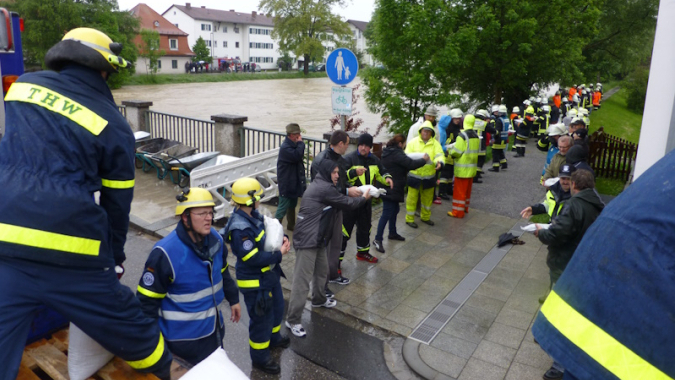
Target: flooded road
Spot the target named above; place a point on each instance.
(269, 104)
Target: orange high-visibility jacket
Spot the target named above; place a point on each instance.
(556, 100)
(596, 98)
(573, 92)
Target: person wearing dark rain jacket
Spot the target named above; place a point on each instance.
(398, 165)
(500, 124)
(258, 274)
(523, 131)
(556, 196)
(186, 278)
(566, 232)
(318, 215)
(290, 174)
(363, 168)
(65, 142)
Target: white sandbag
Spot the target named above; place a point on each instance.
(216, 367)
(414, 130)
(85, 355)
(417, 156)
(274, 234)
(374, 191)
(551, 181)
(533, 227)
(450, 146)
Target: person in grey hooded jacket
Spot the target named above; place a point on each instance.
(316, 218)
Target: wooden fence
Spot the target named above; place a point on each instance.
(611, 156)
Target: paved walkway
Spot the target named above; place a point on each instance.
(489, 336)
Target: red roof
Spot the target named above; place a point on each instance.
(154, 21)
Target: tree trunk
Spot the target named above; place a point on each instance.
(306, 69)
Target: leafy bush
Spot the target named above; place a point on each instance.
(636, 84)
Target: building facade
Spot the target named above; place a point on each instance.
(172, 40)
(358, 29)
(228, 34)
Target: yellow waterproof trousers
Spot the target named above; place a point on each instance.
(411, 203)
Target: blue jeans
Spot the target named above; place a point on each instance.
(390, 210)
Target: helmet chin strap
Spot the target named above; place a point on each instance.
(197, 237)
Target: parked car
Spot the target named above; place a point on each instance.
(320, 67)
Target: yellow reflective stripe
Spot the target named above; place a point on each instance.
(114, 184)
(248, 283)
(152, 359)
(57, 103)
(596, 343)
(276, 329)
(259, 346)
(224, 268)
(265, 269)
(344, 231)
(150, 293)
(250, 254)
(48, 240)
(262, 233)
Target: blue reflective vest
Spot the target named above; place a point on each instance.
(189, 310)
(65, 140)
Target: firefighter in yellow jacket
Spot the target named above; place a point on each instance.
(421, 181)
(465, 153)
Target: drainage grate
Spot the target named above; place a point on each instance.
(426, 331)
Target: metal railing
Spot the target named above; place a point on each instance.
(192, 132)
(255, 140)
(123, 110)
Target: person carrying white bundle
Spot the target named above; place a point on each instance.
(374, 191)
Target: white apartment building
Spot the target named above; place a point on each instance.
(228, 34)
(358, 29)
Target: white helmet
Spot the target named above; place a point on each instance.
(495, 108)
(599, 84)
(546, 108)
(455, 113)
(538, 100)
(483, 113)
(527, 102)
(503, 109)
(573, 113)
(583, 111)
(584, 92)
(516, 110)
(565, 99)
(557, 130)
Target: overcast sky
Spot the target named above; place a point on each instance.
(360, 10)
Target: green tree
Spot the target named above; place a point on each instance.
(636, 84)
(46, 21)
(490, 51)
(405, 37)
(150, 50)
(285, 62)
(624, 40)
(300, 26)
(202, 52)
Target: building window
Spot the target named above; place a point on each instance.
(159, 63)
(208, 43)
(173, 44)
(224, 43)
(224, 29)
(215, 43)
(236, 44)
(174, 63)
(206, 27)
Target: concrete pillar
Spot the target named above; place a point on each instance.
(657, 135)
(227, 135)
(136, 114)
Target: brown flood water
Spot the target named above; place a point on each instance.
(269, 104)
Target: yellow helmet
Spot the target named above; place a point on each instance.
(87, 47)
(193, 197)
(246, 191)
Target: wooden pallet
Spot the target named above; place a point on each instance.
(49, 357)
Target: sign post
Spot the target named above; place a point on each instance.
(341, 68)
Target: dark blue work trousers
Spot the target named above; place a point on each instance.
(93, 299)
(390, 211)
(265, 323)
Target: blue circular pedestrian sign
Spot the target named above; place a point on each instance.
(342, 66)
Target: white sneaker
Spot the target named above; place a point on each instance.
(297, 330)
(329, 303)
